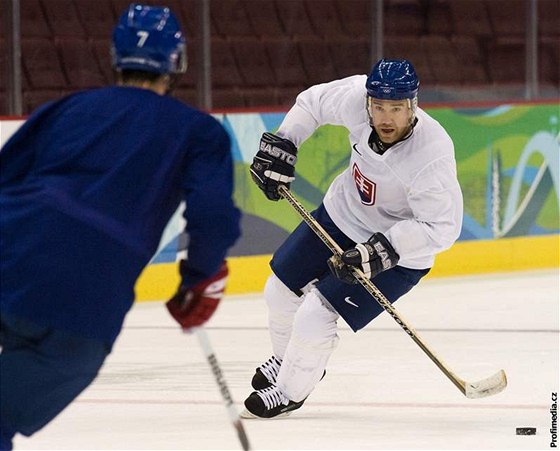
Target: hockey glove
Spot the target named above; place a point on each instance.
(274, 164)
(194, 306)
(372, 257)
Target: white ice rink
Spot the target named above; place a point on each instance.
(381, 392)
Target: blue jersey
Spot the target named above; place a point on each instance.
(87, 186)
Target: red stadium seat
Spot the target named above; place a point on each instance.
(231, 19)
(253, 62)
(287, 96)
(350, 56)
(294, 18)
(265, 51)
(227, 98)
(438, 18)
(355, 16)
(63, 19)
(263, 18)
(80, 64)
(286, 62)
(98, 20)
(3, 61)
(508, 17)
(260, 97)
(403, 17)
(506, 61)
(325, 18)
(33, 21)
(443, 60)
(471, 60)
(409, 48)
(3, 104)
(548, 13)
(34, 99)
(224, 66)
(41, 62)
(189, 96)
(317, 61)
(101, 49)
(549, 62)
(470, 17)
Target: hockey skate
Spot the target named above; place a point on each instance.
(269, 402)
(266, 374)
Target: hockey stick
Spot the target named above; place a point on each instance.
(224, 390)
(480, 389)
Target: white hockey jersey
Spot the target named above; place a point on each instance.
(410, 193)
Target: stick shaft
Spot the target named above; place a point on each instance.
(222, 385)
(370, 287)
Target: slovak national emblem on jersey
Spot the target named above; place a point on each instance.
(366, 188)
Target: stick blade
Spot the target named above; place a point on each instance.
(486, 387)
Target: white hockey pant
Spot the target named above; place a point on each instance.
(282, 306)
(306, 343)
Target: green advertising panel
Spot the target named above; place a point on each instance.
(507, 160)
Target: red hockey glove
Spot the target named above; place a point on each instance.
(193, 307)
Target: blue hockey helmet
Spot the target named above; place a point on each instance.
(149, 38)
(392, 80)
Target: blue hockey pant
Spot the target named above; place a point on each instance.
(303, 257)
(42, 370)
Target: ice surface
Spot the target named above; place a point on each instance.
(381, 392)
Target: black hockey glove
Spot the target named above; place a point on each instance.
(274, 164)
(372, 257)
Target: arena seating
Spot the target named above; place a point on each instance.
(317, 62)
(354, 16)
(33, 20)
(470, 18)
(99, 21)
(325, 20)
(259, 14)
(80, 63)
(41, 64)
(63, 18)
(265, 51)
(438, 18)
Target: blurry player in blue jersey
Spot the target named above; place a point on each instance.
(87, 186)
(396, 205)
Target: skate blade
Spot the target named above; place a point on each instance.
(246, 415)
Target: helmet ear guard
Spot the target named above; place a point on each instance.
(413, 104)
(149, 39)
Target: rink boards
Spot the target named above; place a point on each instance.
(248, 274)
(507, 160)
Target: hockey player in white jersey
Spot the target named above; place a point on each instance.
(396, 205)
